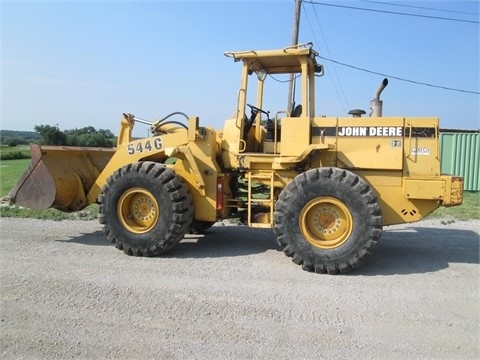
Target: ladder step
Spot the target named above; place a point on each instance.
(250, 200)
(260, 200)
(261, 177)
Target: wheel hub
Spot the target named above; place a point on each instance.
(326, 222)
(143, 208)
(138, 210)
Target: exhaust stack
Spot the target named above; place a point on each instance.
(376, 105)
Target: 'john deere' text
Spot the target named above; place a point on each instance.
(371, 131)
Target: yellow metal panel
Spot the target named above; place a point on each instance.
(424, 189)
(454, 193)
(295, 136)
(448, 190)
(370, 143)
(196, 165)
(276, 61)
(422, 147)
(385, 178)
(229, 141)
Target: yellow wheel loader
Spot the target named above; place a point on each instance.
(326, 185)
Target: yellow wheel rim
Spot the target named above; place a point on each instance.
(326, 222)
(138, 210)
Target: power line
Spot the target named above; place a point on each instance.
(419, 7)
(399, 78)
(391, 12)
(330, 55)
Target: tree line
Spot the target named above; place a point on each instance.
(87, 136)
(52, 135)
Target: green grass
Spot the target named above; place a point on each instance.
(12, 170)
(469, 210)
(89, 213)
(18, 152)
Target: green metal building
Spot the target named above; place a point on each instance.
(460, 155)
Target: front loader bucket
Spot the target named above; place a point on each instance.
(60, 177)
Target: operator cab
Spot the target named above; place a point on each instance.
(253, 128)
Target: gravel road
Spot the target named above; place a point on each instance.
(67, 293)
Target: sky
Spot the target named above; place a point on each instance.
(74, 64)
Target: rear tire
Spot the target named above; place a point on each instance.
(145, 208)
(328, 220)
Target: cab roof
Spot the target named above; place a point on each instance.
(287, 60)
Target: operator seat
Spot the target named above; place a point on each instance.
(297, 111)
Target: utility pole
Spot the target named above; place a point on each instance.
(296, 24)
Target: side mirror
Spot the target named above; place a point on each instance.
(319, 71)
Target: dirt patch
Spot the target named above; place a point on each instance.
(67, 293)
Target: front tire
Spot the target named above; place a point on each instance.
(328, 220)
(145, 209)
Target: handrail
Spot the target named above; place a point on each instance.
(409, 140)
(308, 45)
(233, 55)
(244, 143)
(296, 46)
(238, 108)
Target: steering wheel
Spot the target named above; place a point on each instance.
(249, 122)
(257, 110)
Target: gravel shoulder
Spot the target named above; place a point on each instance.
(231, 294)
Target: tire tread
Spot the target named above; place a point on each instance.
(289, 241)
